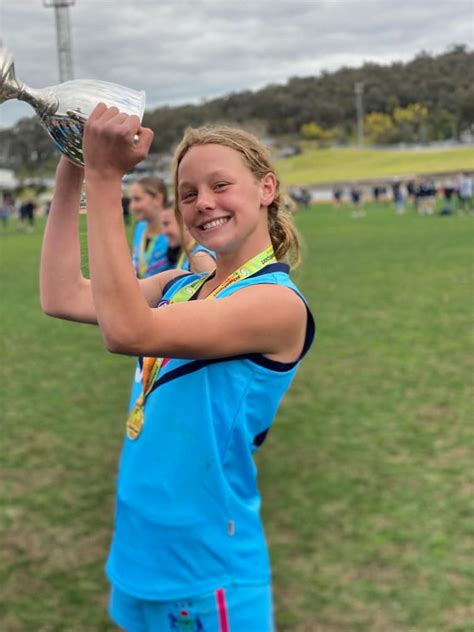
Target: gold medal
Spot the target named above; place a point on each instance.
(135, 421)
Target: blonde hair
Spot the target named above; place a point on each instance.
(283, 234)
(154, 187)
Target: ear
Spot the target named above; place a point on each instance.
(268, 186)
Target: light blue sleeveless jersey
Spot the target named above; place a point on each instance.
(158, 261)
(188, 507)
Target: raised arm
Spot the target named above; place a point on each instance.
(64, 292)
(268, 320)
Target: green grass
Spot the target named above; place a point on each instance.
(366, 475)
(329, 165)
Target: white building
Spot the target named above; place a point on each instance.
(7, 180)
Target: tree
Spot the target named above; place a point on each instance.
(379, 128)
(312, 131)
(410, 121)
(441, 125)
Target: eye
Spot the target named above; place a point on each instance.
(220, 185)
(187, 195)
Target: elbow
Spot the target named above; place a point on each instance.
(50, 309)
(52, 304)
(115, 346)
(55, 308)
(121, 343)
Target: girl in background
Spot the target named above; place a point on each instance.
(149, 245)
(215, 360)
(188, 255)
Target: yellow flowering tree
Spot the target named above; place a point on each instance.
(379, 127)
(410, 121)
(313, 131)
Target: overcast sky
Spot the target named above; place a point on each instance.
(182, 51)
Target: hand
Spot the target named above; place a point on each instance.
(109, 143)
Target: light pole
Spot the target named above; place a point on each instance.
(359, 91)
(63, 36)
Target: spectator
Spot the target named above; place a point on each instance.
(411, 193)
(7, 209)
(465, 192)
(448, 199)
(356, 199)
(302, 197)
(398, 198)
(27, 215)
(425, 197)
(337, 194)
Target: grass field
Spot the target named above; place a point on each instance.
(330, 165)
(366, 475)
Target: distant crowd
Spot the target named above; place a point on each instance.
(24, 211)
(421, 194)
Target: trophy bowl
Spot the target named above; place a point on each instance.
(63, 109)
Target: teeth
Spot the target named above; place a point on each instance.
(215, 222)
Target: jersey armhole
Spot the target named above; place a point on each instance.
(275, 365)
(173, 281)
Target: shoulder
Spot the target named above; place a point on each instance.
(201, 259)
(277, 305)
(200, 250)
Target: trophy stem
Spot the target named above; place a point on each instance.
(43, 101)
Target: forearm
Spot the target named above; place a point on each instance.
(121, 308)
(61, 280)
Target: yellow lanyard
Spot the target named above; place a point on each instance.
(144, 253)
(151, 366)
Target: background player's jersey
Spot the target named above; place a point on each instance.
(150, 260)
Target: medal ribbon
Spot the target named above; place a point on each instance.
(151, 366)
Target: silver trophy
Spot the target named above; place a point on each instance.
(63, 109)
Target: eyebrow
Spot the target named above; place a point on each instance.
(213, 174)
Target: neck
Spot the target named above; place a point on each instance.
(228, 262)
(154, 225)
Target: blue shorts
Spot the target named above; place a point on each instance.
(229, 609)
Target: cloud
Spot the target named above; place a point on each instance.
(183, 51)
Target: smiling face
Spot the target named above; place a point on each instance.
(222, 203)
(143, 204)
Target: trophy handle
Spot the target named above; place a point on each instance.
(10, 88)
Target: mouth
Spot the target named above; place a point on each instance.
(213, 223)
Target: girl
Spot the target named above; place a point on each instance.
(190, 255)
(149, 245)
(215, 359)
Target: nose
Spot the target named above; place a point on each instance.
(204, 200)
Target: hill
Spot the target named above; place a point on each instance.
(443, 84)
(316, 166)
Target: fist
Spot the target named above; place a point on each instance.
(114, 142)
